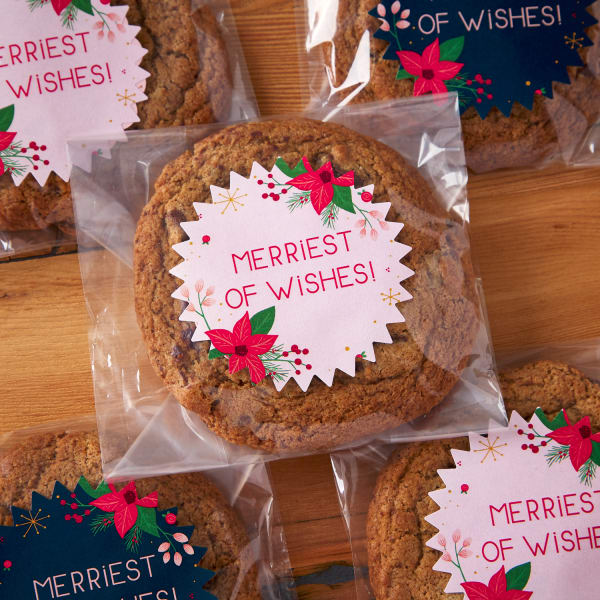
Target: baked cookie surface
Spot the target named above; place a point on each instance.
(36, 463)
(400, 564)
(409, 377)
(189, 83)
(524, 138)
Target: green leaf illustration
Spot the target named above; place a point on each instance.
(558, 422)
(517, 577)
(299, 169)
(146, 520)
(7, 114)
(262, 321)
(84, 5)
(404, 74)
(342, 197)
(452, 49)
(214, 353)
(101, 490)
(595, 453)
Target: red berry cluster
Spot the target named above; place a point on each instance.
(74, 506)
(480, 82)
(36, 157)
(295, 349)
(271, 185)
(535, 448)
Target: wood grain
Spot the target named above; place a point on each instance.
(536, 238)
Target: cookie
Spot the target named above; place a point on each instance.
(410, 376)
(400, 565)
(36, 463)
(189, 83)
(524, 138)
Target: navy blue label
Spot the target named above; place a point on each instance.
(491, 52)
(99, 544)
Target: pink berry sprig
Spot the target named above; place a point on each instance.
(478, 83)
(75, 505)
(531, 435)
(271, 184)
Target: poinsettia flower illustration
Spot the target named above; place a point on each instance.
(60, 5)
(320, 184)
(243, 347)
(6, 139)
(125, 506)
(495, 590)
(431, 72)
(579, 438)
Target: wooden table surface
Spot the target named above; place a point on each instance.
(536, 239)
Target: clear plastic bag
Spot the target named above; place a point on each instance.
(155, 430)
(357, 470)
(348, 63)
(239, 523)
(34, 218)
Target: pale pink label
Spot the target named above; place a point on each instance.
(67, 69)
(520, 514)
(292, 273)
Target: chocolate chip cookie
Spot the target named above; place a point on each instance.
(189, 83)
(410, 376)
(524, 138)
(35, 463)
(400, 564)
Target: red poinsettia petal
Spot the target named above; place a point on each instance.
(321, 198)
(306, 164)
(242, 330)
(60, 5)
(431, 55)
(259, 344)
(109, 502)
(222, 340)
(257, 369)
(422, 86)
(580, 452)
(1, 167)
(497, 583)
(515, 595)
(237, 363)
(437, 86)
(411, 62)
(565, 435)
(307, 182)
(125, 519)
(596, 437)
(447, 70)
(149, 501)
(6, 139)
(476, 591)
(346, 180)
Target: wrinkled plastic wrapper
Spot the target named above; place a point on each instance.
(346, 65)
(39, 220)
(262, 564)
(154, 430)
(356, 470)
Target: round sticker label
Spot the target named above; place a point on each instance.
(292, 273)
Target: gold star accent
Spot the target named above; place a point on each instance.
(390, 298)
(231, 200)
(574, 41)
(33, 522)
(126, 97)
(490, 449)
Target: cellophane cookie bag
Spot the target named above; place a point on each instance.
(283, 287)
(528, 76)
(514, 512)
(92, 66)
(65, 530)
